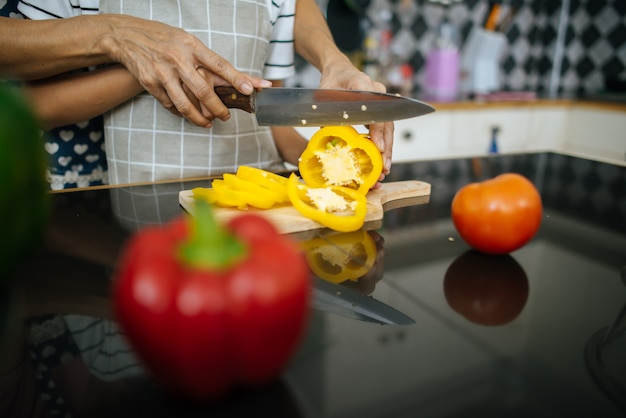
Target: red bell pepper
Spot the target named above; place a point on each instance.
(210, 306)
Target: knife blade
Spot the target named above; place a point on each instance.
(284, 106)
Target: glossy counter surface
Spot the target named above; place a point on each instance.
(553, 347)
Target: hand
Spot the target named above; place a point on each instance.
(177, 69)
(342, 74)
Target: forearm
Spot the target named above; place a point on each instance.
(43, 48)
(313, 39)
(78, 97)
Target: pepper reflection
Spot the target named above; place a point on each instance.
(486, 289)
(353, 259)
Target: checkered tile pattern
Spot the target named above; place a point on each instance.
(595, 40)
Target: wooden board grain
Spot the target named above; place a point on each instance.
(288, 220)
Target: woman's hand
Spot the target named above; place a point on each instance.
(162, 58)
(176, 68)
(342, 74)
(315, 43)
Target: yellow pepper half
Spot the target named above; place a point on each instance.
(336, 207)
(340, 156)
(341, 257)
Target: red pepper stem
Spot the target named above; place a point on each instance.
(210, 246)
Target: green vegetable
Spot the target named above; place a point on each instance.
(23, 186)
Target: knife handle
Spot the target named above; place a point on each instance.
(233, 99)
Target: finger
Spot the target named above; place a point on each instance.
(381, 135)
(244, 83)
(205, 112)
(193, 99)
(377, 135)
(218, 71)
(201, 86)
(257, 83)
(161, 95)
(184, 106)
(388, 133)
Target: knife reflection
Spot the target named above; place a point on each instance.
(343, 301)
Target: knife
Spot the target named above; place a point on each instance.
(283, 106)
(343, 301)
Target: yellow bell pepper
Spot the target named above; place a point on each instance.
(340, 156)
(221, 195)
(266, 179)
(224, 194)
(341, 257)
(336, 207)
(249, 187)
(269, 197)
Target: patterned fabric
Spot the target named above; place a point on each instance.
(50, 346)
(76, 152)
(77, 155)
(147, 143)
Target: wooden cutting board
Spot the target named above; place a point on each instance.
(288, 220)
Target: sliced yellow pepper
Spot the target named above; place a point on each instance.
(246, 186)
(241, 199)
(341, 257)
(224, 198)
(336, 207)
(340, 156)
(266, 179)
(249, 187)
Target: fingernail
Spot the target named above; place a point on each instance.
(388, 165)
(247, 88)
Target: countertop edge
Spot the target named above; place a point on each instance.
(542, 103)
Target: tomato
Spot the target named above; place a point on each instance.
(498, 215)
(209, 306)
(486, 289)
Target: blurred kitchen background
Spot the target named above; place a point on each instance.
(550, 48)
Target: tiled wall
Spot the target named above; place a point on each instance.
(594, 40)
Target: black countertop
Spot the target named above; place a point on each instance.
(555, 345)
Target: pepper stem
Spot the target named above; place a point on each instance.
(210, 246)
